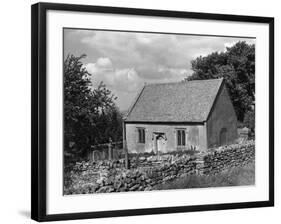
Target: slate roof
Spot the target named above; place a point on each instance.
(189, 101)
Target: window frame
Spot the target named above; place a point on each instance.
(181, 137)
(141, 135)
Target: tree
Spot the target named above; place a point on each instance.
(90, 115)
(237, 66)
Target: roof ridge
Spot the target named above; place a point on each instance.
(182, 82)
(206, 80)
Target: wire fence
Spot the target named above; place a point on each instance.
(107, 151)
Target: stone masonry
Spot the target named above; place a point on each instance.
(148, 171)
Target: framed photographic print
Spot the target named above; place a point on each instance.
(139, 111)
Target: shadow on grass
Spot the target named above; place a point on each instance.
(237, 176)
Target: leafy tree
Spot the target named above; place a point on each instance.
(237, 66)
(90, 115)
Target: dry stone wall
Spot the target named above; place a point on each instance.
(149, 171)
(231, 156)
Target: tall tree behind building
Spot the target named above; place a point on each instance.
(90, 115)
(237, 66)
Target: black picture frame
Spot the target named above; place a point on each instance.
(38, 108)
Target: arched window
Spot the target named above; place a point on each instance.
(223, 136)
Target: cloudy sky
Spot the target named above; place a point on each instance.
(124, 61)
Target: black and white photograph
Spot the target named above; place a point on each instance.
(139, 111)
(146, 111)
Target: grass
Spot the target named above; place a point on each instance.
(237, 176)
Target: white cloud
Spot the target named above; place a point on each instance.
(231, 43)
(125, 81)
(104, 63)
(125, 60)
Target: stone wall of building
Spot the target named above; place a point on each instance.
(149, 171)
(195, 137)
(223, 117)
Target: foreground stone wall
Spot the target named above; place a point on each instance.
(149, 171)
(223, 158)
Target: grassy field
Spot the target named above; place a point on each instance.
(237, 176)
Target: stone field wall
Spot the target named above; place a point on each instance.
(148, 171)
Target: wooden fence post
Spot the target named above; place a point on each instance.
(127, 162)
(93, 156)
(103, 155)
(110, 149)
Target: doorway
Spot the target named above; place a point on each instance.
(159, 141)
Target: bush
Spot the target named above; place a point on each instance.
(249, 121)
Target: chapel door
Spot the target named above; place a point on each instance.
(159, 142)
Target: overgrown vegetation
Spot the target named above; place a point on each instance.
(83, 180)
(90, 114)
(237, 176)
(232, 165)
(237, 66)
